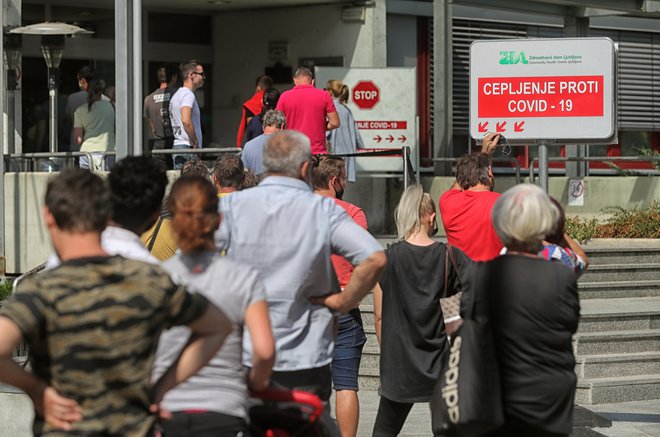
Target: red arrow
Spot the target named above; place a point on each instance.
(377, 138)
(483, 127)
(402, 138)
(499, 127)
(390, 138)
(518, 127)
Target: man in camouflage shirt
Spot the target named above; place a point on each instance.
(93, 324)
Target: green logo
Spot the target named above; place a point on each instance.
(510, 58)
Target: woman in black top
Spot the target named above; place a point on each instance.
(534, 310)
(409, 322)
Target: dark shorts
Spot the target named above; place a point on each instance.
(347, 354)
(204, 424)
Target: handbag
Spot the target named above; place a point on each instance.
(467, 399)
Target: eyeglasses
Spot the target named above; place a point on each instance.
(201, 74)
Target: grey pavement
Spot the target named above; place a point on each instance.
(629, 419)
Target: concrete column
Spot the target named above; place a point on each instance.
(128, 77)
(442, 85)
(576, 27)
(378, 15)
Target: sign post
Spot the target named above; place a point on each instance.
(544, 91)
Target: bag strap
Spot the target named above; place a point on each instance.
(444, 290)
(155, 234)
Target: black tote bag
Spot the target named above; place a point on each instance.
(467, 400)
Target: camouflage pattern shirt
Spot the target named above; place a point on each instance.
(93, 325)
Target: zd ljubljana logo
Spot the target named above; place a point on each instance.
(510, 58)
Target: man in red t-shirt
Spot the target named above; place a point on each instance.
(329, 179)
(466, 207)
(309, 110)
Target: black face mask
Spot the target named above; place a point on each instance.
(434, 231)
(339, 192)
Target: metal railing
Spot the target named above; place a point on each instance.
(22, 353)
(208, 151)
(46, 159)
(498, 159)
(533, 163)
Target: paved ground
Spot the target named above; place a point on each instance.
(629, 419)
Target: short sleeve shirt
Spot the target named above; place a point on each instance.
(92, 325)
(294, 232)
(185, 98)
(466, 216)
(157, 109)
(306, 109)
(343, 268)
(98, 125)
(221, 385)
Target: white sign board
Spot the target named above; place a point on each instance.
(544, 89)
(384, 105)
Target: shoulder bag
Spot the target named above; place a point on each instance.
(467, 400)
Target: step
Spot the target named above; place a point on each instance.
(605, 366)
(622, 272)
(650, 253)
(618, 314)
(370, 358)
(618, 289)
(616, 342)
(618, 389)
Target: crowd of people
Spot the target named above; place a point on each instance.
(164, 314)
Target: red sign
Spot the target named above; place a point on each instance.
(552, 96)
(366, 94)
(381, 124)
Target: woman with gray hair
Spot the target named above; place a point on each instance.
(409, 322)
(533, 308)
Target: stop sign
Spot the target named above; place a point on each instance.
(366, 94)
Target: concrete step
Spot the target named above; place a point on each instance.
(618, 389)
(602, 315)
(616, 342)
(607, 366)
(649, 253)
(370, 358)
(622, 272)
(618, 289)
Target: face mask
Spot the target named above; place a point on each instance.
(339, 192)
(434, 231)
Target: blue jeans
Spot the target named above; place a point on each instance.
(179, 160)
(347, 353)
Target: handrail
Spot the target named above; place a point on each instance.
(34, 156)
(579, 159)
(22, 352)
(498, 159)
(202, 151)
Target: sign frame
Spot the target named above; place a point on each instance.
(557, 129)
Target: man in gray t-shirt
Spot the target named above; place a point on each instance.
(157, 113)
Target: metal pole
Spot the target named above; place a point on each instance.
(543, 166)
(405, 155)
(122, 77)
(2, 156)
(136, 86)
(52, 100)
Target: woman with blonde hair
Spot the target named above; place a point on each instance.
(213, 402)
(409, 322)
(346, 138)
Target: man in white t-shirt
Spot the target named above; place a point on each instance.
(184, 111)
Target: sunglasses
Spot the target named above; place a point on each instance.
(201, 74)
